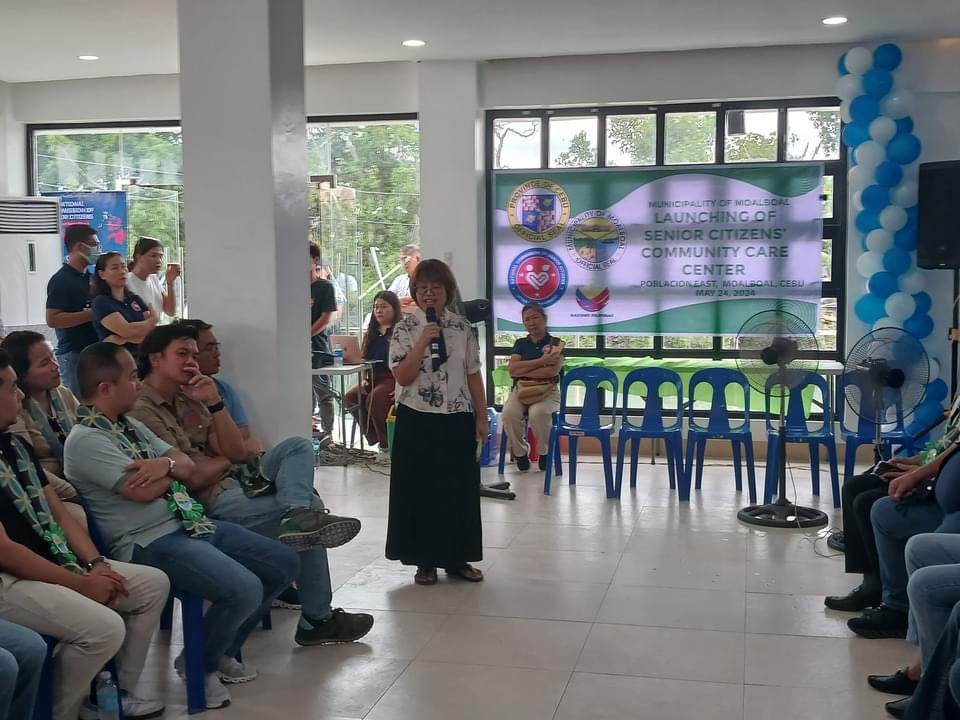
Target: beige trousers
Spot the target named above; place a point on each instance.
(540, 417)
(90, 634)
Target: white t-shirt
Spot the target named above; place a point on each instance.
(400, 285)
(150, 290)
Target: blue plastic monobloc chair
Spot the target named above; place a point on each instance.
(652, 425)
(797, 430)
(865, 432)
(718, 427)
(589, 424)
(503, 451)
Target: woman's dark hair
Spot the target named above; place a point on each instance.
(434, 271)
(99, 286)
(158, 340)
(374, 327)
(18, 345)
(75, 234)
(143, 246)
(537, 307)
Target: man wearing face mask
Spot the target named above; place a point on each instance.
(68, 300)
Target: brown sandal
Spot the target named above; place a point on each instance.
(425, 576)
(466, 572)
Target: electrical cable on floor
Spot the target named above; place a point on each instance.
(823, 533)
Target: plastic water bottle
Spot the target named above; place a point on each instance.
(338, 356)
(108, 697)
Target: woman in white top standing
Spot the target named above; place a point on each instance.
(434, 518)
(144, 281)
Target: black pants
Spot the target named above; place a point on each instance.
(858, 495)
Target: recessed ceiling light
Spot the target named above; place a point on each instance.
(413, 43)
(88, 58)
(835, 20)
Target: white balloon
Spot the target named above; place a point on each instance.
(858, 60)
(860, 176)
(934, 369)
(870, 154)
(898, 104)
(887, 322)
(849, 86)
(905, 194)
(882, 129)
(892, 218)
(857, 199)
(911, 172)
(900, 306)
(912, 281)
(879, 240)
(845, 115)
(869, 264)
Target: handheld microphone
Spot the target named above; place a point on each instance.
(435, 343)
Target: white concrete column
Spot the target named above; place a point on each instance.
(12, 169)
(245, 175)
(451, 170)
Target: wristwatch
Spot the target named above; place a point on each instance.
(216, 407)
(91, 564)
(173, 466)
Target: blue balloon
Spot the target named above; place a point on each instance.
(913, 213)
(904, 125)
(904, 149)
(869, 308)
(906, 238)
(864, 108)
(924, 301)
(927, 412)
(842, 65)
(896, 261)
(854, 134)
(877, 82)
(867, 220)
(883, 284)
(875, 197)
(937, 391)
(888, 174)
(887, 56)
(920, 325)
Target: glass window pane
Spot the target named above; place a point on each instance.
(583, 342)
(631, 140)
(573, 141)
(826, 259)
(500, 394)
(516, 143)
(827, 332)
(751, 136)
(688, 342)
(829, 196)
(629, 342)
(813, 134)
(690, 138)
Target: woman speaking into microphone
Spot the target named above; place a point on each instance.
(434, 519)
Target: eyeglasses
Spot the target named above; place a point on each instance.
(211, 347)
(431, 288)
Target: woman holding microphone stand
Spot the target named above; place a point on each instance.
(434, 518)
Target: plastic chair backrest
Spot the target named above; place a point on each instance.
(866, 426)
(796, 418)
(718, 379)
(93, 531)
(592, 378)
(653, 379)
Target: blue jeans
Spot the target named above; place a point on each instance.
(22, 654)
(936, 696)
(290, 464)
(893, 524)
(238, 571)
(934, 587)
(68, 370)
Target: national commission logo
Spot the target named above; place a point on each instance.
(538, 210)
(596, 239)
(537, 275)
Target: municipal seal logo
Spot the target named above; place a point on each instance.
(538, 210)
(593, 299)
(596, 239)
(537, 275)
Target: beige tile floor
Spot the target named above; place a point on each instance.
(591, 609)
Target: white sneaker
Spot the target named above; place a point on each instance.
(233, 671)
(383, 458)
(138, 708)
(217, 695)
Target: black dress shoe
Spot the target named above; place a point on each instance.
(542, 463)
(856, 600)
(523, 463)
(835, 541)
(897, 684)
(880, 622)
(898, 708)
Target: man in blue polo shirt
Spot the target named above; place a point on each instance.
(68, 300)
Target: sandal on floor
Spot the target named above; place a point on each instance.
(467, 572)
(425, 576)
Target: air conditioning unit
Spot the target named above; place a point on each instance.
(31, 251)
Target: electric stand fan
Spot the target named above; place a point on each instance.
(775, 350)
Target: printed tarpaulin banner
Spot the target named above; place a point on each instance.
(105, 212)
(684, 251)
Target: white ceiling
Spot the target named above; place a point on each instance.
(41, 39)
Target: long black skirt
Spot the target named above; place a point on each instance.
(434, 491)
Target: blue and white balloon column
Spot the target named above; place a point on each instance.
(882, 183)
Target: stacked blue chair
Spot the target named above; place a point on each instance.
(718, 427)
(797, 431)
(866, 431)
(652, 425)
(589, 424)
